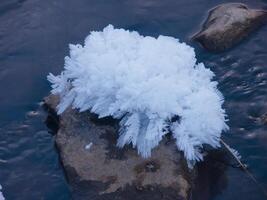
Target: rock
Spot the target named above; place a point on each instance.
(97, 169)
(227, 24)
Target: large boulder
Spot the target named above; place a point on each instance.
(97, 169)
(227, 24)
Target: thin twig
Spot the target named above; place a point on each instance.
(244, 167)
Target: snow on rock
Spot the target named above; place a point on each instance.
(152, 85)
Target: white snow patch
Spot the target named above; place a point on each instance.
(145, 82)
(88, 146)
(1, 194)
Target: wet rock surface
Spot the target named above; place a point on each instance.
(97, 169)
(228, 24)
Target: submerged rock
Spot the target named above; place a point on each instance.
(228, 24)
(97, 169)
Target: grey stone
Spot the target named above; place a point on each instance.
(228, 24)
(97, 169)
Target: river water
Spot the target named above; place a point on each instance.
(34, 38)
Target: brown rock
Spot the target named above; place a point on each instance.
(97, 169)
(227, 24)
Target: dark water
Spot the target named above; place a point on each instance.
(34, 38)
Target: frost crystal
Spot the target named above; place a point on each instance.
(152, 85)
(1, 194)
(235, 153)
(88, 146)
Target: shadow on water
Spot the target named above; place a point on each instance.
(34, 38)
(211, 179)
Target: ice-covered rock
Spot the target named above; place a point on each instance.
(152, 85)
(107, 172)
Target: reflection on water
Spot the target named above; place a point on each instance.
(34, 37)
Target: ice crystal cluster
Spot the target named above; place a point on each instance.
(152, 85)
